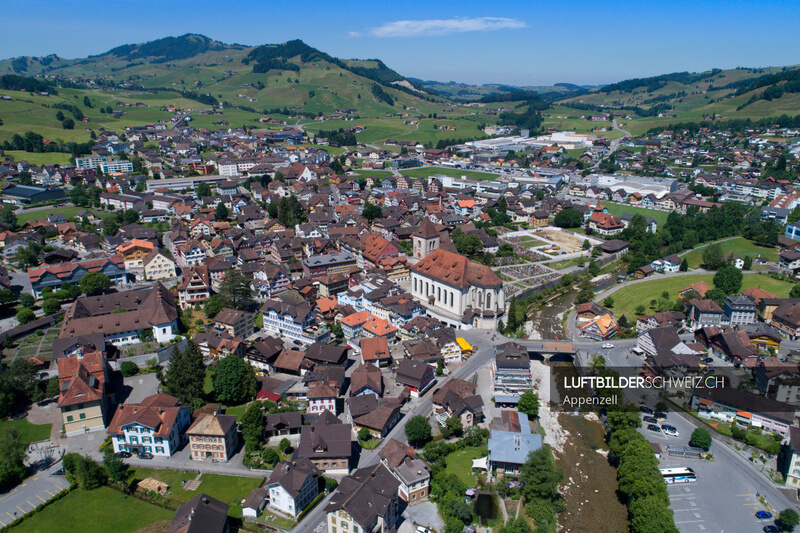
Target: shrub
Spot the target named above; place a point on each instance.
(128, 369)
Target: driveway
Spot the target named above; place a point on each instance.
(423, 514)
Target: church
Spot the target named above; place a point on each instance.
(458, 292)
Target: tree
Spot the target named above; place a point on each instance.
(337, 331)
(213, 306)
(68, 124)
(568, 218)
(701, 438)
(529, 404)
(608, 301)
(128, 368)
(371, 211)
(270, 456)
(84, 471)
(51, 305)
(795, 292)
(452, 427)
(186, 374)
(234, 381)
(684, 266)
(130, 216)
(439, 367)
(418, 431)
(221, 212)
(788, 519)
(470, 245)
(60, 116)
(364, 434)
(26, 300)
(540, 477)
(462, 511)
(115, 467)
(748, 263)
(235, 291)
(203, 190)
(728, 279)
(253, 424)
(586, 294)
(12, 459)
(7, 217)
(713, 258)
(285, 445)
(330, 484)
(586, 244)
(25, 315)
(94, 283)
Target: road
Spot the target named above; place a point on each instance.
(615, 143)
(33, 492)
(315, 521)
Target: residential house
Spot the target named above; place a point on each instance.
(83, 392)
(410, 470)
(195, 288)
(508, 450)
(201, 514)
(511, 369)
(293, 486)
(705, 313)
(327, 443)
(458, 398)
(213, 437)
(415, 375)
(154, 426)
(365, 502)
(236, 323)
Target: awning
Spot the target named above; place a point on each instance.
(482, 463)
(465, 346)
(706, 401)
(743, 414)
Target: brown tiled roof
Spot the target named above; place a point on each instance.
(212, 425)
(157, 412)
(64, 270)
(102, 314)
(394, 453)
(375, 349)
(81, 379)
(456, 270)
(289, 360)
(366, 375)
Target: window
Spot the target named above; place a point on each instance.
(69, 418)
(82, 416)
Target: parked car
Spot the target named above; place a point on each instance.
(772, 529)
(645, 409)
(660, 416)
(649, 420)
(672, 431)
(654, 428)
(145, 455)
(123, 454)
(763, 515)
(608, 345)
(708, 360)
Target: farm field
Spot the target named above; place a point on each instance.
(628, 298)
(46, 158)
(738, 246)
(69, 212)
(102, 510)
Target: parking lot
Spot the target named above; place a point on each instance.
(724, 497)
(27, 496)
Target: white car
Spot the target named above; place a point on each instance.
(608, 345)
(669, 430)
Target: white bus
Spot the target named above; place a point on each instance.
(678, 475)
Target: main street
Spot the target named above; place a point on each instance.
(481, 341)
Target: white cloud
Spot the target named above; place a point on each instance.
(417, 28)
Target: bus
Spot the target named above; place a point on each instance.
(678, 475)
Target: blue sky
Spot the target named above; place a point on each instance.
(516, 42)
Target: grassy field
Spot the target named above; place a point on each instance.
(102, 510)
(46, 158)
(27, 431)
(739, 246)
(628, 298)
(618, 210)
(532, 243)
(460, 463)
(424, 172)
(69, 212)
(566, 263)
(229, 489)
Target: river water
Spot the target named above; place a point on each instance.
(590, 482)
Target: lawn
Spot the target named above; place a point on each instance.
(69, 212)
(102, 510)
(738, 246)
(460, 463)
(238, 411)
(424, 172)
(229, 489)
(628, 298)
(44, 158)
(619, 210)
(566, 263)
(28, 432)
